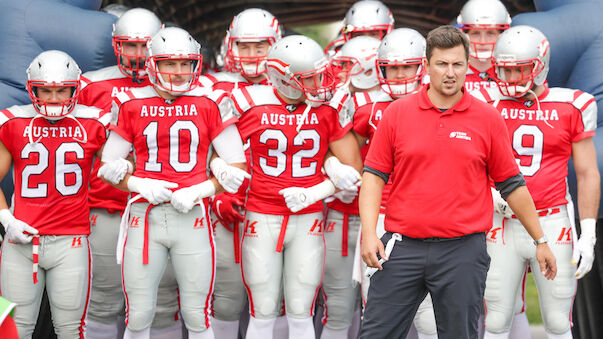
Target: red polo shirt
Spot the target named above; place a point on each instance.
(442, 161)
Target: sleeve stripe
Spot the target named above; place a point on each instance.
(7, 113)
(247, 96)
(582, 99)
(360, 100)
(588, 103)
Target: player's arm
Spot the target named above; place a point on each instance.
(114, 152)
(5, 162)
(228, 165)
(360, 139)
(589, 193)
(347, 151)
(343, 162)
(14, 227)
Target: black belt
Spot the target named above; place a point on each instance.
(438, 239)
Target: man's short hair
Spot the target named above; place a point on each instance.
(445, 37)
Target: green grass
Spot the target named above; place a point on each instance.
(533, 311)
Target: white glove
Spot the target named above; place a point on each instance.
(155, 191)
(115, 171)
(185, 198)
(343, 176)
(584, 249)
(229, 177)
(15, 228)
(298, 198)
(347, 195)
(500, 205)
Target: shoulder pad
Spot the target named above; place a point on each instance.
(488, 95)
(339, 99)
(229, 77)
(89, 112)
(584, 102)
(246, 97)
(199, 91)
(135, 93)
(17, 111)
(107, 73)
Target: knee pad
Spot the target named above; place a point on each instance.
(140, 316)
(425, 322)
(195, 320)
(556, 322)
(227, 308)
(497, 322)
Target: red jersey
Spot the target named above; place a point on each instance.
(171, 138)
(443, 162)
(280, 156)
(227, 81)
(369, 111)
(98, 89)
(476, 80)
(52, 174)
(542, 138)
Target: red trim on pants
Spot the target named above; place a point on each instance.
(281, 235)
(249, 295)
(83, 320)
(210, 293)
(344, 235)
(237, 242)
(145, 244)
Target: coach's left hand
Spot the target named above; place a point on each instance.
(371, 245)
(547, 261)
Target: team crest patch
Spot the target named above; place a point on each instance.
(484, 75)
(169, 101)
(291, 108)
(528, 103)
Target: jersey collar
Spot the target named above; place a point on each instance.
(462, 105)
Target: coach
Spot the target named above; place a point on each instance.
(443, 146)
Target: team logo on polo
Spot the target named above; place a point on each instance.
(459, 135)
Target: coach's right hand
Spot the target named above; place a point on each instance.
(371, 245)
(546, 260)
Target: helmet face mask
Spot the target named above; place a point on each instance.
(169, 54)
(250, 30)
(355, 63)
(404, 76)
(479, 16)
(482, 41)
(53, 84)
(400, 62)
(317, 85)
(343, 67)
(249, 57)
(131, 56)
(521, 60)
(131, 32)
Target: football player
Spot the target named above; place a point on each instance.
(290, 129)
(53, 143)
(483, 21)
(367, 17)
(171, 126)
(130, 34)
(546, 127)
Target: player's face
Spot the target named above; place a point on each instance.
(447, 69)
(514, 74)
(253, 49)
(377, 34)
(135, 50)
(342, 69)
(53, 95)
(401, 72)
(312, 82)
(175, 71)
(483, 38)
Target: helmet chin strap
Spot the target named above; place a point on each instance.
(538, 108)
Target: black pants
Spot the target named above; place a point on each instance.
(453, 271)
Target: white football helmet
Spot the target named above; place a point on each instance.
(135, 25)
(296, 66)
(334, 46)
(401, 47)
(53, 69)
(251, 25)
(517, 47)
(367, 15)
(173, 43)
(483, 14)
(356, 62)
